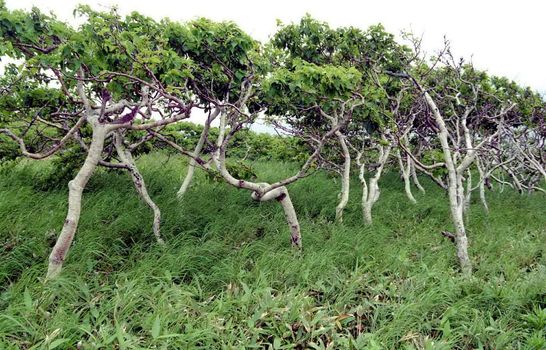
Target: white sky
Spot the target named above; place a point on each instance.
(503, 37)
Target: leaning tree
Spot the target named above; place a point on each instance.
(98, 93)
(317, 46)
(89, 88)
(454, 125)
(517, 157)
(233, 81)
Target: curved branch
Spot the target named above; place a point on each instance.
(49, 152)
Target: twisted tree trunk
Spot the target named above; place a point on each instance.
(260, 191)
(127, 158)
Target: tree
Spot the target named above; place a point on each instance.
(232, 80)
(316, 103)
(314, 44)
(456, 123)
(108, 78)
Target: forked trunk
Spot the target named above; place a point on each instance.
(371, 198)
(367, 212)
(258, 189)
(407, 188)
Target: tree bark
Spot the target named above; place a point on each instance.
(140, 186)
(468, 193)
(461, 239)
(455, 189)
(372, 188)
(482, 187)
(406, 172)
(345, 178)
(260, 191)
(415, 178)
(196, 153)
(282, 196)
(368, 202)
(291, 217)
(75, 188)
(363, 183)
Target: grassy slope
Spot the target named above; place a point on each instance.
(229, 279)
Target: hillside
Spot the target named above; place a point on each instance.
(228, 278)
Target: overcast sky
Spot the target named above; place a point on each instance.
(503, 37)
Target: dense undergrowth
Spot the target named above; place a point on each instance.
(228, 278)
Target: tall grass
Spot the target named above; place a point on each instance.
(228, 278)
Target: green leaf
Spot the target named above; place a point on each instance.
(156, 328)
(166, 336)
(28, 299)
(56, 343)
(277, 343)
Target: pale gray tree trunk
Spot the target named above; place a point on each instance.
(369, 200)
(362, 178)
(406, 173)
(198, 148)
(415, 178)
(482, 186)
(455, 189)
(461, 240)
(282, 196)
(126, 157)
(75, 190)
(260, 191)
(468, 193)
(517, 183)
(370, 192)
(291, 217)
(345, 178)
